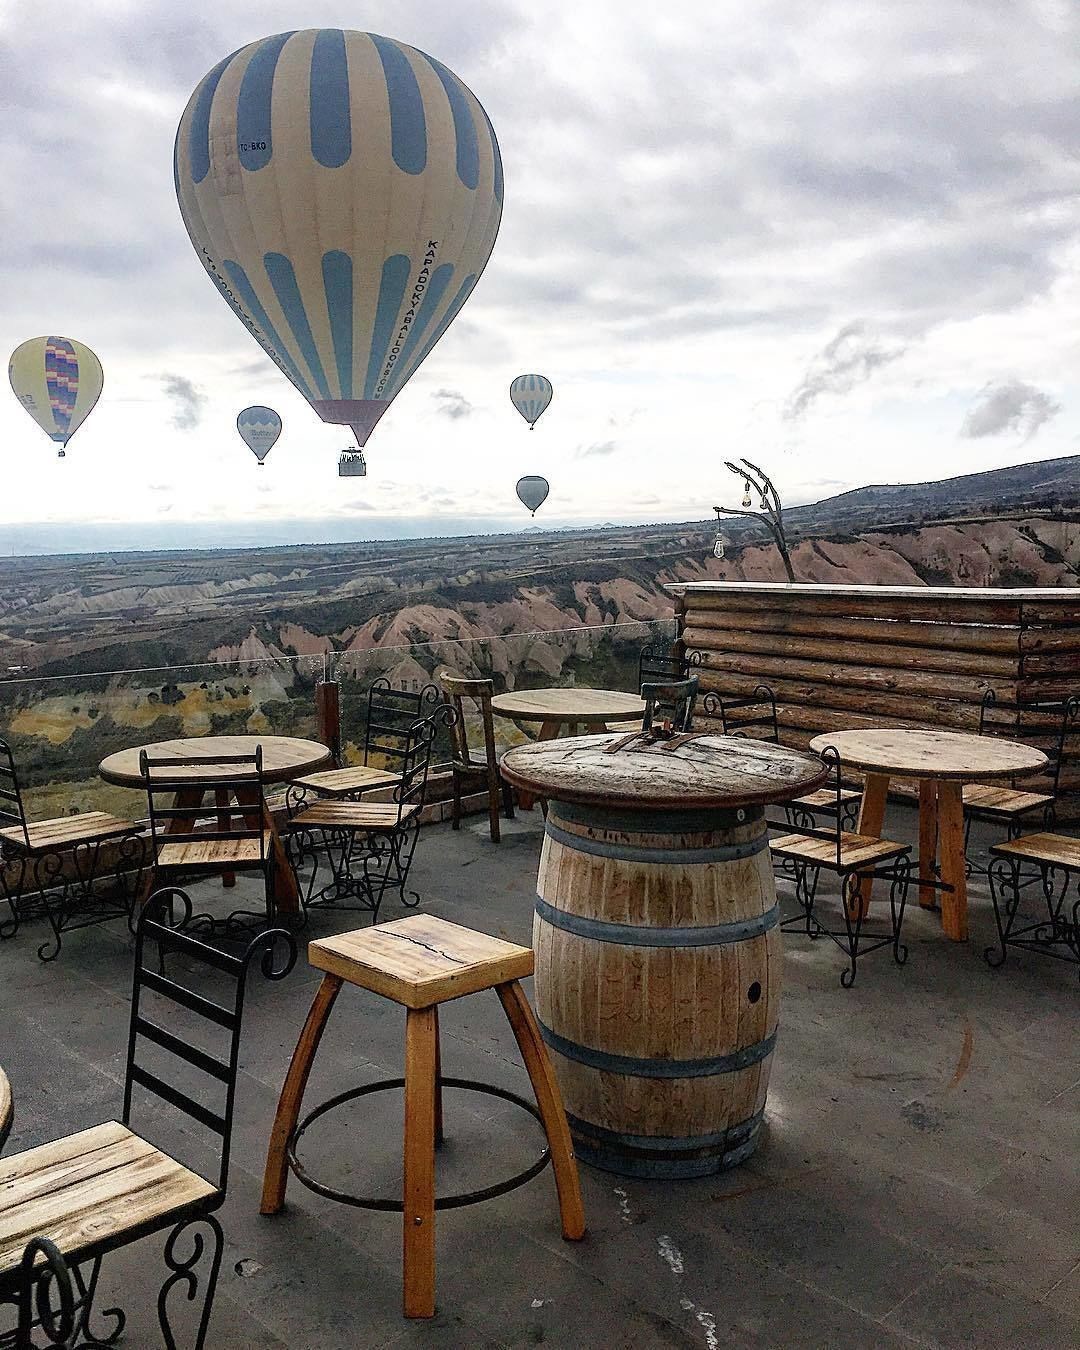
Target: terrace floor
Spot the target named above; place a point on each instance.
(917, 1183)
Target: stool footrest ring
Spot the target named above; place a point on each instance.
(396, 1206)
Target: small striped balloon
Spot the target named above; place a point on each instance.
(259, 429)
(343, 191)
(530, 395)
(58, 381)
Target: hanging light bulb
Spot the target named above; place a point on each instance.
(746, 494)
(719, 545)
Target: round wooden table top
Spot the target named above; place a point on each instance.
(6, 1108)
(694, 771)
(568, 705)
(284, 757)
(933, 754)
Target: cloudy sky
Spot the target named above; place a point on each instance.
(841, 238)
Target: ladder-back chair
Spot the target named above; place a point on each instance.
(59, 860)
(670, 702)
(106, 1187)
(470, 768)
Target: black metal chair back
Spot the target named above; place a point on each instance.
(166, 776)
(662, 661)
(753, 716)
(673, 702)
(391, 715)
(12, 811)
(168, 937)
(1054, 723)
(416, 759)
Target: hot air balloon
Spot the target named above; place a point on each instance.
(344, 192)
(530, 395)
(58, 381)
(532, 491)
(259, 428)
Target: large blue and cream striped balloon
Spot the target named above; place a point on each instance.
(344, 192)
(530, 395)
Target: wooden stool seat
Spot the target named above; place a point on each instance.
(420, 962)
(344, 782)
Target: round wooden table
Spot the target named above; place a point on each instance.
(941, 762)
(283, 757)
(570, 708)
(657, 948)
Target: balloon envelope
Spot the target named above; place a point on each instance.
(259, 427)
(344, 192)
(530, 395)
(58, 381)
(532, 491)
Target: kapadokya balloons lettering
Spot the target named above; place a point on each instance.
(532, 491)
(530, 395)
(58, 381)
(259, 427)
(344, 192)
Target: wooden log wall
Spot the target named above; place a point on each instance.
(841, 657)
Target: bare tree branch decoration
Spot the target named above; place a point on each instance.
(769, 511)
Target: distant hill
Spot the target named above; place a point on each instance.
(1045, 484)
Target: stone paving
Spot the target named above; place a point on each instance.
(917, 1183)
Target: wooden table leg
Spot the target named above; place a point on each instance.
(953, 864)
(871, 821)
(188, 799)
(548, 1098)
(276, 1173)
(928, 840)
(418, 1219)
(438, 1081)
(286, 891)
(221, 801)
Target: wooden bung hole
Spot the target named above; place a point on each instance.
(754, 992)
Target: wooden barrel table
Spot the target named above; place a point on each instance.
(657, 948)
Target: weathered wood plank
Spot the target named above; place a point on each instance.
(881, 653)
(970, 637)
(875, 678)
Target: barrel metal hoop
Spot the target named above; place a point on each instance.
(665, 820)
(666, 1144)
(638, 935)
(634, 1067)
(624, 852)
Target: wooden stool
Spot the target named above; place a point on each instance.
(421, 962)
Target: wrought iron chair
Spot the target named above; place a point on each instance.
(670, 702)
(369, 845)
(662, 661)
(391, 714)
(60, 860)
(853, 858)
(240, 839)
(755, 716)
(1044, 863)
(466, 767)
(103, 1188)
(1017, 807)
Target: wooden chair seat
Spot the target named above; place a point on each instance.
(214, 852)
(1053, 850)
(88, 1188)
(344, 782)
(68, 831)
(421, 961)
(1004, 800)
(856, 850)
(335, 815)
(824, 799)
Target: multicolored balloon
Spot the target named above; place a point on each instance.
(532, 491)
(259, 428)
(58, 381)
(344, 192)
(530, 395)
